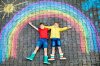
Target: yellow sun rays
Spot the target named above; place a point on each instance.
(9, 8)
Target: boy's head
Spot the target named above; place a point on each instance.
(41, 25)
(56, 24)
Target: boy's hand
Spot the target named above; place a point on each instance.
(69, 27)
(30, 23)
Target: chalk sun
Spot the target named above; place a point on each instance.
(9, 8)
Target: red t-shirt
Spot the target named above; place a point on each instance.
(43, 33)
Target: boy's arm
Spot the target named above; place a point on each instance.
(33, 26)
(49, 27)
(64, 28)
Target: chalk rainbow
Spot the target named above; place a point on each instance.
(89, 41)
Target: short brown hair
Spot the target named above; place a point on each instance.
(56, 22)
(41, 24)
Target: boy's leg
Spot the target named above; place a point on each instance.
(53, 44)
(31, 57)
(45, 51)
(45, 56)
(36, 49)
(45, 45)
(52, 57)
(53, 50)
(60, 50)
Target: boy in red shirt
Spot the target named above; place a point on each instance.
(42, 41)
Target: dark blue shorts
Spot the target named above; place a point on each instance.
(55, 42)
(42, 43)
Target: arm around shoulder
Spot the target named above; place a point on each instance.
(49, 27)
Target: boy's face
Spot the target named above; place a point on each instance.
(42, 26)
(56, 24)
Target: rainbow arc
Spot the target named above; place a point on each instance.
(89, 41)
